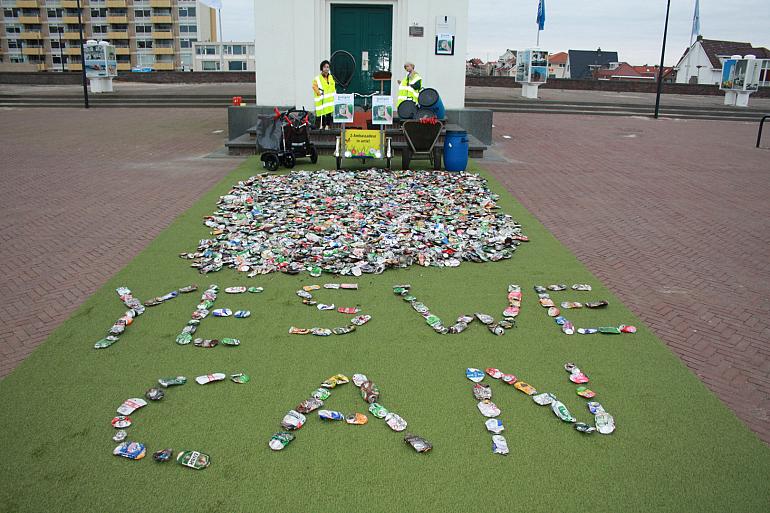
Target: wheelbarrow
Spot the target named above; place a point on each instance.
(421, 138)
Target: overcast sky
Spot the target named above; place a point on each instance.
(633, 28)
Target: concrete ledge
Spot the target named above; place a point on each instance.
(478, 122)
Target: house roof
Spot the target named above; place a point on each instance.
(715, 47)
(558, 58)
(647, 70)
(580, 61)
(624, 69)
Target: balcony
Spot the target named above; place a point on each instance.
(161, 50)
(124, 66)
(71, 35)
(74, 66)
(117, 19)
(163, 66)
(122, 51)
(72, 20)
(116, 3)
(70, 51)
(160, 3)
(29, 19)
(163, 35)
(161, 19)
(117, 35)
(70, 4)
(29, 50)
(27, 4)
(30, 35)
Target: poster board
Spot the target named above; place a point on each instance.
(382, 110)
(100, 60)
(363, 143)
(532, 66)
(343, 108)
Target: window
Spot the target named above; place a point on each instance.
(100, 29)
(206, 50)
(188, 28)
(10, 13)
(186, 43)
(54, 44)
(13, 29)
(235, 50)
(236, 65)
(56, 13)
(210, 65)
(98, 13)
(186, 11)
(56, 59)
(144, 44)
(15, 43)
(143, 29)
(18, 59)
(142, 13)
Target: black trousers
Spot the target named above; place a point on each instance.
(326, 119)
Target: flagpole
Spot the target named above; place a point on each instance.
(538, 38)
(219, 15)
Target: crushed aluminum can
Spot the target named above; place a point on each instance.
(557, 287)
(304, 294)
(581, 287)
(255, 290)
(242, 314)
(482, 391)
(343, 330)
(222, 312)
(584, 428)
(106, 342)
(293, 420)
(330, 415)
(568, 305)
(496, 329)
(370, 392)
(130, 450)
(193, 459)
(560, 320)
(596, 304)
(311, 288)
(229, 341)
(585, 392)
(509, 379)
(494, 373)
(188, 288)
(609, 330)
(309, 405)
(235, 290)
(458, 328)
(511, 311)
(540, 289)
(350, 310)
(605, 423)
(322, 306)
(239, 378)
(280, 440)
(466, 319)
(627, 329)
(321, 332)
(298, 331)
(506, 324)
(418, 443)
(484, 318)
(494, 426)
(358, 419)
(168, 382)
(578, 378)
(332, 286)
(359, 379)
(488, 408)
(163, 456)
(361, 320)
(129, 406)
(594, 407)
(121, 422)
(321, 394)
(433, 320)
(120, 436)
(543, 399)
(568, 328)
(154, 394)
(554, 312)
(309, 302)
(499, 445)
(395, 422)
(473, 374)
(206, 342)
(420, 307)
(525, 387)
(546, 302)
(210, 378)
(349, 286)
(378, 410)
(562, 412)
(409, 298)
(570, 367)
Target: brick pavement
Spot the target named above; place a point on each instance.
(68, 198)
(674, 217)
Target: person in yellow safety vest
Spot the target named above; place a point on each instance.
(324, 89)
(410, 87)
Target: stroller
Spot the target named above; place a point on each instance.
(285, 138)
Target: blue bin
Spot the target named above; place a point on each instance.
(456, 150)
(430, 99)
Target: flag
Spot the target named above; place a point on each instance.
(541, 15)
(695, 22)
(214, 4)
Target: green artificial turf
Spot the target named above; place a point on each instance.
(676, 447)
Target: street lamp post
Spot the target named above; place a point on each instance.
(83, 57)
(699, 66)
(662, 56)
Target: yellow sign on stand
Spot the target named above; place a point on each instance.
(363, 143)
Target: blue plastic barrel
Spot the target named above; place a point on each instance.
(430, 99)
(456, 150)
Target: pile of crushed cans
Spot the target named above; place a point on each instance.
(604, 423)
(566, 326)
(434, 321)
(305, 294)
(136, 450)
(354, 222)
(370, 393)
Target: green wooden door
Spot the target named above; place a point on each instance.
(364, 28)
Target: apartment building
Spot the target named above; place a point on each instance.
(230, 56)
(43, 35)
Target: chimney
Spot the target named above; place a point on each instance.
(699, 38)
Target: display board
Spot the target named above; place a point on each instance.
(100, 60)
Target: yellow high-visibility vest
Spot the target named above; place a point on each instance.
(324, 103)
(407, 90)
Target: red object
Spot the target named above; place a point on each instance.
(237, 101)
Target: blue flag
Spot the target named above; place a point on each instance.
(541, 15)
(696, 21)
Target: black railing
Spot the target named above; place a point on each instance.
(761, 124)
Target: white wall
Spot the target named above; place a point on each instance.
(688, 67)
(287, 60)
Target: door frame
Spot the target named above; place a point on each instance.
(324, 36)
